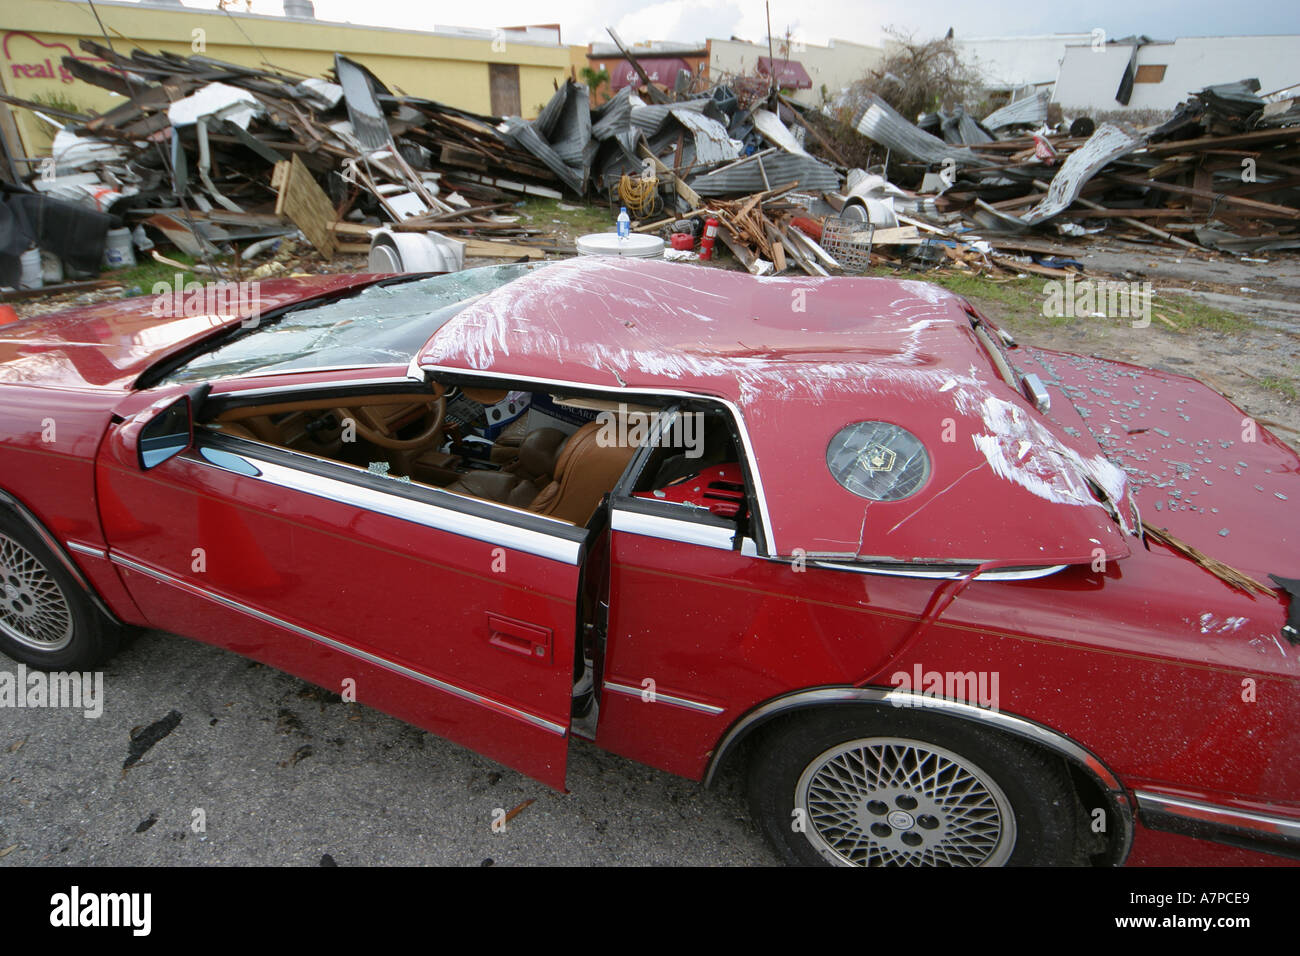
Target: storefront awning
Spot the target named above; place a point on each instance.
(789, 74)
(661, 70)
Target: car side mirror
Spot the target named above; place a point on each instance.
(167, 434)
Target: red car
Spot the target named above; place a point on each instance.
(843, 530)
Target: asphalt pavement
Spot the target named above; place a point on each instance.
(205, 758)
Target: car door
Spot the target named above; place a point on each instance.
(453, 614)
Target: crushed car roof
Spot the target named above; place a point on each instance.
(801, 359)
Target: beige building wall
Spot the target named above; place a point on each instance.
(451, 68)
(831, 67)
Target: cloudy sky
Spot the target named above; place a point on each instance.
(815, 21)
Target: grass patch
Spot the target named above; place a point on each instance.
(1276, 383)
(579, 219)
(1018, 303)
(148, 273)
(1022, 294)
(1191, 315)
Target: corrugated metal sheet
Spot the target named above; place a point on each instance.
(1108, 143)
(369, 123)
(613, 116)
(525, 136)
(960, 127)
(1029, 111)
(565, 123)
(771, 128)
(649, 119)
(712, 144)
(747, 176)
(883, 124)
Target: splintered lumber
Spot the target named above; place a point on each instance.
(896, 236)
(501, 250)
(305, 203)
(1267, 209)
(1224, 572)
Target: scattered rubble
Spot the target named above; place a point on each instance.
(221, 160)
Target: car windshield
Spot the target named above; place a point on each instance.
(381, 325)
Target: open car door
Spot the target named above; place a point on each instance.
(453, 614)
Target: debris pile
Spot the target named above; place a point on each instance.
(220, 159)
(210, 155)
(1220, 175)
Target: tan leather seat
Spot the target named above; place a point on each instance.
(585, 472)
(521, 482)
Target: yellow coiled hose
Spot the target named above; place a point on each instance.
(640, 194)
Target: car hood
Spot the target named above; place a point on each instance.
(1198, 466)
(108, 345)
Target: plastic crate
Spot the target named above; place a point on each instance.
(849, 242)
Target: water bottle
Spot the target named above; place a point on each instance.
(624, 223)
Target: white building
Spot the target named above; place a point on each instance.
(1168, 71)
(1018, 63)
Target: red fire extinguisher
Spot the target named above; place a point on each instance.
(710, 236)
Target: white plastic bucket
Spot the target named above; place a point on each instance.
(51, 268)
(118, 253)
(31, 270)
(636, 246)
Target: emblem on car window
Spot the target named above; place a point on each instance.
(877, 460)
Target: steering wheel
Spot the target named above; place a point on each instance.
(378, 423)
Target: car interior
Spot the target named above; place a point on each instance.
(543, 453)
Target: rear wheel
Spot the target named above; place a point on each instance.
(868, 787)
(46, 619)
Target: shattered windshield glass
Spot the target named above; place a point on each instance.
(382, 325)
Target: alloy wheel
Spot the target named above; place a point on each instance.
(33, 608)
(890, 801)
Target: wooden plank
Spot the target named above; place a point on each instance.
(1206, 142)
(305, 204)
(501, 250)
(900, 236)
(1265, 208)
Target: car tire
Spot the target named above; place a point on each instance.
(47, 620)
(884, 787)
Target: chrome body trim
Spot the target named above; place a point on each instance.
(737, 417)
(1008, 723)
(1022, 574)
(80, 548)
(659, 698)
(1216, 813)
(427, 679)
(423, 513)
(670, 529)
(315, 386)
(59, 552)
